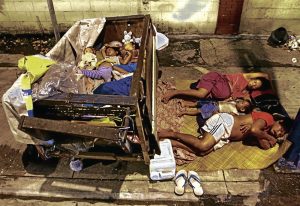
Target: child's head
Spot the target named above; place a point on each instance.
(281, 127)
(89, 50)
(243, 105)
(260, 83)
(111, 51)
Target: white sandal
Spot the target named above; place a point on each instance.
(180, 180)
(195, 182)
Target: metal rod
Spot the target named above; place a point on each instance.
(53, 20)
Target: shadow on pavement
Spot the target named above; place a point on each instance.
(34, 165)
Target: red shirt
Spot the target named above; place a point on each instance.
(268, 118)
(238, 84)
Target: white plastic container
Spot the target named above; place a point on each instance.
(163, 166)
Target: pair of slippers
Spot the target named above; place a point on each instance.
(183, 177)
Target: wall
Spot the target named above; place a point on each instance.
(229, 17)
(174, 16)
(264, 16)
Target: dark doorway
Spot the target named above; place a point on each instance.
(229, 16)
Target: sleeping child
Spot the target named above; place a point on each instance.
(112, 55)
(209, 107)
(132, 64)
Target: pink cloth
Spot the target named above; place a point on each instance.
(238, 85)
(216, 84)
(183, 156)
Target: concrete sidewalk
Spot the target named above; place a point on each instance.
(220, 184)
(247, 53)
(119, 181)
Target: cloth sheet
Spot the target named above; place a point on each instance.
(167, 113)
(82, 34)
(233, 155)
(119, 87)
(167, 118)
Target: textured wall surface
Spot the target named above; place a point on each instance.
(175, 16)
(263, 16)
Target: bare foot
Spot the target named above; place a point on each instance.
(168, 95)
(165, 133)
(180, 114)
(183, 104)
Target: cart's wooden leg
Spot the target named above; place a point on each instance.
(141, 133)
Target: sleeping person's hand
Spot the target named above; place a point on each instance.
(272, 142)
(167, 96)
(244, 127)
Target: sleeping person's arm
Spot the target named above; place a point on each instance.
(264, 144)
(257, 130)
(255, 75)
(126, 59)
(119, 69)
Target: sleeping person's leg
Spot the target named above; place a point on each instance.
(119, 69)
(178, 144)
(188, 104)
(197, 145)
(199, 93)
(190, 111)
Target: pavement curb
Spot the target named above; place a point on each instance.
(62, 188)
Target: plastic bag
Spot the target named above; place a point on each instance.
(278, 37)
(60, 78)
(161, 40)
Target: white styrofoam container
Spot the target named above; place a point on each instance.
(163, 166)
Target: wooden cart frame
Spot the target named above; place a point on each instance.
(142, 99)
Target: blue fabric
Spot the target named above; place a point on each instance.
(27, 92)
(30, 113)
(294, 136)
(208, 108)
(202, 102)
(120, 87)
(130, 67)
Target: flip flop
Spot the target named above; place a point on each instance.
(180, 180)
(195, 182)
